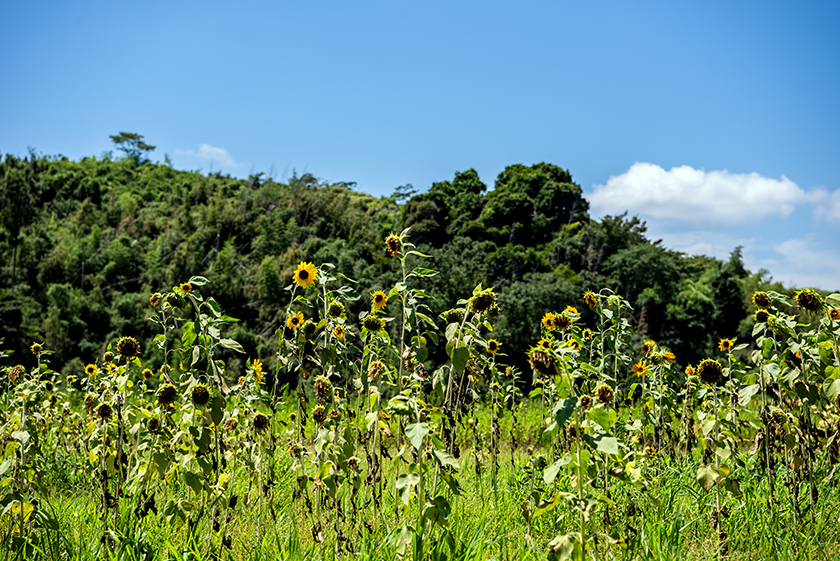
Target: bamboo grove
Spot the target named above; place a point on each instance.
(355, 445)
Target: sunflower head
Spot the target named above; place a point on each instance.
(373, 323)
(544, 343)
(834, 314)
(309, 328)
(762, 300)
(323, 389)
(336, 309)
(153, 425)
(585, 402)
(89, 402)
(128, 347)
(71, 379)
(15, 372)
(154, 299)
(542, 362)
(648, 347)
(375, 369)
(199, 395)
(725, 345)
(603, 394)
(147, 374)
(453, 316)
(260, 422)
(548, 321)
(104, 411)
(761, 316)
(573, 344)
(493, 346)
(339, 332)
(294, 321)
(639, 369)
(710, 371)
(306, 275)
(90, 369)
(258, 371)
(482, 300)
(185, 288)
(808, 299)
(572, 311)
(590, 299)
(319, 415)
(379, 300)
(36, 349)
(393, 245)
(166, 395)
(587, 334)
(669, 357)
(174, 300)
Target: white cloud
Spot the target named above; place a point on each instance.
(829, 209)
(693, 195)
(803, 262)
(218, 156)
(714, 244)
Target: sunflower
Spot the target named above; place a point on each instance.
(603, 394)
(725, 344)
(15, 372)
(174, 300)
(319, 414)
(590, 299)
(648, 347)
(185, 288)
(573, 344)
(336, 309)
(452, 316)
(585, 402)
(200, 395)
(36, 349)
(542, 362)
(89, 402)
(104, 411)
(548, 321)
(373, 323)
(71, 379)
(153, 425)
(572, 310)
(154, 299)
(375, 369)
(260, 422)
(147, 374)
(258, 371)
(562, 322)
(834, 314)
(482, 300)
(379, 300)
(544, 343)
(639, 369)
(306, 275)
(808, 299)
(587, 334)
(166, 395)
(339, 332)
(294, 321)
(762, 300)
(128, 347)
(108, 356)
(91, 369)
(710, 371)
(492, 346)
(393, 244)
(761, 316)
(309, 328)
(668, 356)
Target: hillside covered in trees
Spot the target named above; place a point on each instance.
(84, 244)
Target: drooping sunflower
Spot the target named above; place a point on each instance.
(36, 349)
(294, 321)
(562, 322)
(323, 389)
(153, 425)
(91, 369)
(339, 332)
(669, 357)
(319, 414)
(375, 369)
(639, 369)
(482, 300)
(590, 299)
(393, 243)
(260, 422)
(306, 275)
(379, 300)
(200, 395)
(373, 323)
(104, 411)
(128, 347)
(542, 362)
(309, 328)
(185, 288)
(336, 309)
(147, 374)
(834, 314)
(808, 299)
(493, 346)
(166, 395)
(761, 316)
(648, 347)
(154, 299)
(453, 316)
(603, 394)
(762, 300)
(725, 345)
(710, 371)
(258, 371)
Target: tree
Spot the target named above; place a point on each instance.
(132, 144)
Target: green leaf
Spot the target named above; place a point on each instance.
(415, 433)
(198, 281)
(603, 443)
(188, 334)
(550, 473)
(217, 409)
(444, 458)
(459, 357)
(564, 409)
(232, 345)
(746, 394)
(194, 481)
(707, 476)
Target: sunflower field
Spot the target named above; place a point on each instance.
(361, 443)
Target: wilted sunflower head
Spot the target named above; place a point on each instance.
(319, 414)
(323, 388)
(15, 372)
(185, 288)
(603, 394)
(154, 299)
(542, 362)
(648, 347)
(761, 316)
(393, 244)
(373, 323)
(493, 346)
(375, 369)
(710, 371)
(36, 349)
(585, 402)
(200, 395)
(808, 299)
(379, 300)
(834, 314)
(90, 369)
(174, 300)
(334, 414)
(166, 395)
(590, 299)
(294, 321)
(339, 332)
(453, 316)
(89, 402)
(336, 309)
(108, 356)
(310, 328)
(128, 347)
(153, 425)
(482, 300)
(562, 322)
(639, 369)
(725, 345)
(48, 385)
(104, 411)
(762, 300)
(260, 422)
(306, 275)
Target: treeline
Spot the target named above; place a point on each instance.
(84, 244)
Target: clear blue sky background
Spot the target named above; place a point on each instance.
(623, 94)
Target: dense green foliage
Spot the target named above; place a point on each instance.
(84, 244)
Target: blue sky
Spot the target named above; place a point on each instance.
(717, 122)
